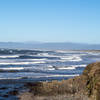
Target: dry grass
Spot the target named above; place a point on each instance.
(29, 96)
(56, 90)
(79, 88)
(70, 86)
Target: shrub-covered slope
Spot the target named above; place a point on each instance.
(83, 87)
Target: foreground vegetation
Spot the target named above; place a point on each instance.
(84, 87)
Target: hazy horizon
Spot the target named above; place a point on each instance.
(43, 42)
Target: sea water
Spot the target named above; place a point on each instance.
(20, 66)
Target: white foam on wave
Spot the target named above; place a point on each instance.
(43, 54)
(44, 68)
(79, 65)
(71, 58)
(10, 78)
(12, 68)
(47, 76)
(62, 75)
(57, 75)
(66, 68)
(50, 67)
(71, 67)
(10, 56)
(37, 59)
(21, 63)
(47, 55)
(94, 53)
(66, 51)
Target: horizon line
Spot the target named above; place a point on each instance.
(48, 42)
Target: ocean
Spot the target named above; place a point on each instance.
(19, 66)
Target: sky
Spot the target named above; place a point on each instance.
(50, 21)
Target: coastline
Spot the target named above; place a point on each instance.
(83, 87)
(71, 89)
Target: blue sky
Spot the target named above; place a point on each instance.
(50, 20)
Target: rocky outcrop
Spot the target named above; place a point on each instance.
(92, 74)
(83, 87)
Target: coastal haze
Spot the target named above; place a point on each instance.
(50, 45)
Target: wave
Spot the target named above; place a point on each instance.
(9, 56)
(66, 68)
(66, 51)
(40, 69)
(12, 68)
(37, 57)
(62, 75)
(79, 65)
(70, 67)
(43, 54)
(36, 77)
(21, 63)
(71, 58)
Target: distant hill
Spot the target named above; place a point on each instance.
(62, 46)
